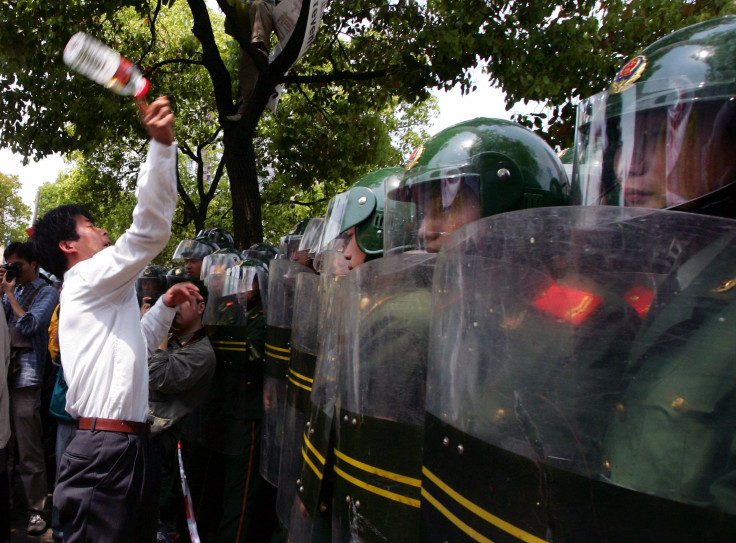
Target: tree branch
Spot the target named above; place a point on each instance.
(212, 60)
(334, 76)
(172, 61)
(285, 201)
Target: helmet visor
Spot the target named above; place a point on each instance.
(311, 237)
(217, 264)
(333, 219)
(427, 206)
(191, 248)
(634, 151)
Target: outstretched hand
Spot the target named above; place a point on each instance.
(159, 120)
(182, 293)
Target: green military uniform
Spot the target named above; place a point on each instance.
(379, 433)
(224, 475)
(674, 430)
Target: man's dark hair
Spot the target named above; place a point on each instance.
(56, 226)
(21, 249)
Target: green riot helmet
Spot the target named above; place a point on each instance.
(151, 283)
(176, 275)
(219, 236)
(474, 169)
(364, 209)
(664, 134)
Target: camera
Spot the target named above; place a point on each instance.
(12, 271)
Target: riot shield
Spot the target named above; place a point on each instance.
(380, 401)
(234, 334)
(282, 284)
(304, 344)
(311, 512)
(581, 379)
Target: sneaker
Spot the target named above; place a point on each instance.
(36, 524)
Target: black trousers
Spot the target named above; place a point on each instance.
(106, 488)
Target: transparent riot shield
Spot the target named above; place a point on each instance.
(380, 401)
(282, 285)
(310, 520)
(304, 344)
(235, 326)
(582, 379)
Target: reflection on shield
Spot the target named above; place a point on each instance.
(281, 289)
(381, 400)
(578, 375)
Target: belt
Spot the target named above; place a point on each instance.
(113, 425)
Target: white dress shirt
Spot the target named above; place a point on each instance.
(103, 341)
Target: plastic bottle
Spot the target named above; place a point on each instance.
(105, 66)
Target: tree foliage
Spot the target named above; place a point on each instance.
(371, 59)
(14, 214)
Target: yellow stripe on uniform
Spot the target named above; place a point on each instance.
(473, 508)
(380, 491)
(377, 471)
(310, 464)
(305, 387)
(277, 348)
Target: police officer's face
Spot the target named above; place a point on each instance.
(669, 156)
(644, 172)
(439, 221)
(149, 287)
(353, 254)
(193, 267)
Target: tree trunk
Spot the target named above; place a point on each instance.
(240, 162)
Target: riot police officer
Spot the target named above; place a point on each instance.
(151, 284)
(355, 218)
(663, 136)
(193, 251)
(224, 462)
(474, 169)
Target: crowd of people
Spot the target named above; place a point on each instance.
(473, 347)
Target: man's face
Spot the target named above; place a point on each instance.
(91, 240)
(193, 267)
(352, 253)
(438, 222)
(27, 271)
(188, 317)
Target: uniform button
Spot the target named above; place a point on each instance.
(607, 468)
(620, 411)
(678, 404)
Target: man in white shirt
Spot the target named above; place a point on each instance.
(103, 489)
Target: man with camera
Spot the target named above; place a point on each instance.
(28, 302)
